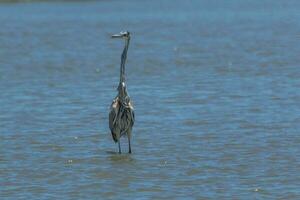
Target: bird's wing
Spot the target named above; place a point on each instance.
(127, 120)
(130, 116)
(114, 108)
(133, 117)
(132, 113)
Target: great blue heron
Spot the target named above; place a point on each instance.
(121, 115)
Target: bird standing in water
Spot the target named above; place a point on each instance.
(121, 115)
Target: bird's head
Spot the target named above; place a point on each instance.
(122, 34)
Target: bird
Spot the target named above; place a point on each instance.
(121, 114)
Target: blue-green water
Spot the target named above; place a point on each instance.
(215, 86)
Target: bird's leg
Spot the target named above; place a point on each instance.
(129, 144)
(119, 146)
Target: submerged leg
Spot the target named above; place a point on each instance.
(119, 145)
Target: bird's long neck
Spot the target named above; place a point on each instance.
(123, 60)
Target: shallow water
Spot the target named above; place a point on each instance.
(215, 88)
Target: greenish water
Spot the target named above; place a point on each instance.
(215, 87)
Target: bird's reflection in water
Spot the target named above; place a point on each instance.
(117, 157)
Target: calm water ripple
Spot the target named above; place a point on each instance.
(215, 87)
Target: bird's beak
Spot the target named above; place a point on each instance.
(116, 36)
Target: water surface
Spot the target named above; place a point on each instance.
(215, 88)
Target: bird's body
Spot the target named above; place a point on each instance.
(121, 115)
(121, 119)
